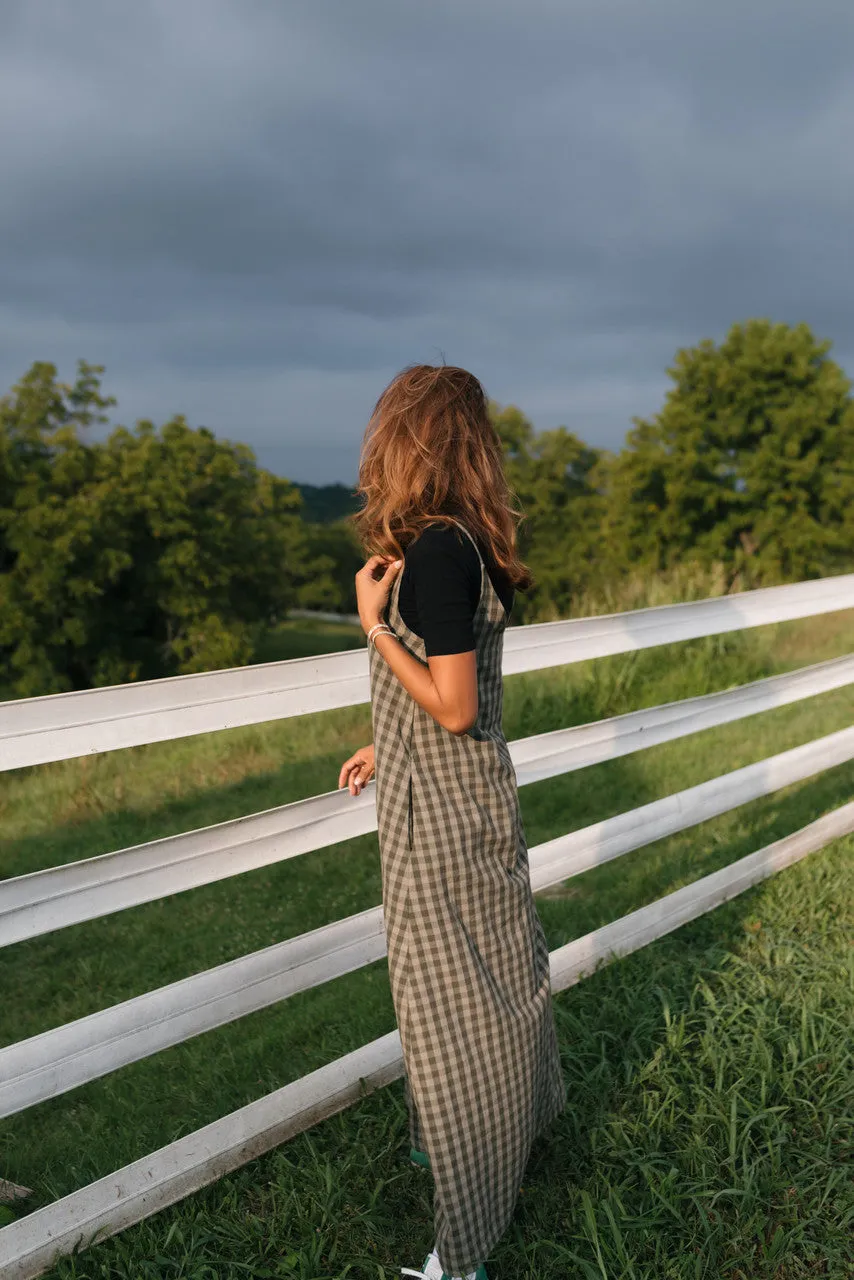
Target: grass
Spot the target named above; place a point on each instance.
(710, 1074)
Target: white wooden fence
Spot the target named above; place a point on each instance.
(38, 730)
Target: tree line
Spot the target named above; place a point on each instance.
(166, 550)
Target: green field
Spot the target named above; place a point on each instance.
(709, 1127)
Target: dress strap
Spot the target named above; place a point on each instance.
(471, 539)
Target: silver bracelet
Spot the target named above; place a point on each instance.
(379, 628)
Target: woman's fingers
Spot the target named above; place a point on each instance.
(363, 774)
(355, 772)
(358, 778)
(374, 563)
(348, 768)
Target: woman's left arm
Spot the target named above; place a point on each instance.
(447, 686)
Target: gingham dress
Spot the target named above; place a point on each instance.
(468, 961)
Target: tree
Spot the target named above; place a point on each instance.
(553, 475)
(157, 551)
(334, 556)
(750, 462)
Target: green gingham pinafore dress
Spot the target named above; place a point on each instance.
(467, 957)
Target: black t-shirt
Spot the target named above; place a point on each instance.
(440, 588)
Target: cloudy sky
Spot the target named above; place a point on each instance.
(255, 212)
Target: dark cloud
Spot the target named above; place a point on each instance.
(255, 213)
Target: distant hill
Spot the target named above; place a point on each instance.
(327, 502)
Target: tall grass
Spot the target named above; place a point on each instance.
(640, 589)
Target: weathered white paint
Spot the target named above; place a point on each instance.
(578, 851)
(30, 1246)
(59, 726)
(61, 1059)
(580, 958)
(55, 1061)
(45, 900)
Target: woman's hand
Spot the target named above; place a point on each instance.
(372, 591)
(358, 770)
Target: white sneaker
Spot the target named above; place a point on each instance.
(432, 1270)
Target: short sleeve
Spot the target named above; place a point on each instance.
(445, 579)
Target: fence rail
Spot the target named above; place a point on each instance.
(46, 900)
(60, 726)
(55, 1061)
(38, 730)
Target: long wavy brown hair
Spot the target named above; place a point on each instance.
(430, 452)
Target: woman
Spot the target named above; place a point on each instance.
(467, 957)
